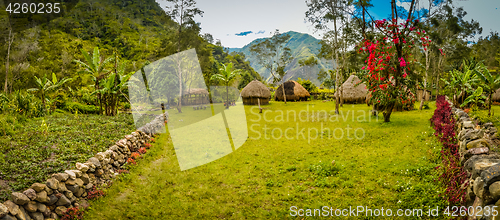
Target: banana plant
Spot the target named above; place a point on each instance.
(490, 83)
(226, 76)
(45, 85)
(95, 66)
(475, 98)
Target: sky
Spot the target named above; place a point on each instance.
(239, 22)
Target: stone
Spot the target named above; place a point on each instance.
(49, 190)
(82, 167)
(85, 178)
(468, 124)
(114, 148)
(89, 186)
(80, 192)
(52, 199)
(41, 207)
(37, 216)
(106, 161)
(99, 172)
(19, 198)
(491, 175)
(495, 190)
(77, 173)
(73, 188)
(23, 215)
(69, 195)
(30, 193)
(38, 187)
(469, 164)
(8, 217)
(32, 206)
(71, 174)
(3, 210)
(52, 183)
(60, 210)
(62, 187)
(478, 187)
(95, 161)
(12, 207)
(100, 156)
(79, 182)
(42, 197)
(71, 182)
(63, 201)
(53, 215)
(47, 213)
(479, 143)
(479, 168)
(61, 176)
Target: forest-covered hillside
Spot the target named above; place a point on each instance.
(302, 46)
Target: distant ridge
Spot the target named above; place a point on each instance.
(302, 46)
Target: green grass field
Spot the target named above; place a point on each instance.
(383, 165)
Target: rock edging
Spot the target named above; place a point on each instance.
(69, 189)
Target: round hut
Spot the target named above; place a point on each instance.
(254, 92)
(352, 92)
(293, 90)
(495, 97)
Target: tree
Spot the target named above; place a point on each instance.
(320, 14)
(226, 76)
(388, 63)
(490, 83)
(183, 12)
(44, 85)
(274, 55)
(95, 67)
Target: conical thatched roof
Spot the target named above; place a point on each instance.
(255, 89)
(293, 90)
(352, 93)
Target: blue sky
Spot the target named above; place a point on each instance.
(238, 22)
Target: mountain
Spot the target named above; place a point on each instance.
(302, 47)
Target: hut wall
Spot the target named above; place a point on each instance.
(254, 101)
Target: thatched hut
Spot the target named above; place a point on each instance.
(195, 97)
(352, 92)
(293, 90)
(254, 92)
(495, 97)
(427, 96)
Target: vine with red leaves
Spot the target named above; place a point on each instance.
(454, 175)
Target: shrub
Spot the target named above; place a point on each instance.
(142, 150)
(72, 214)
(82, 108)
(308, 85)
(147, 145)
(131, 160)
(95, 193)
(454, 175)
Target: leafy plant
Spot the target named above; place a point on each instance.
(44, 85)
(475, 98)
(226, 76)
(72, 214)
(95, 193)
(490, 83)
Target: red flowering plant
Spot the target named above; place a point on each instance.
(131, 160)
(388, 72)
(95, 193)
(142, 150)
(72, 214)
(147, 145)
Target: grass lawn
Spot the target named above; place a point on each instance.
(389, 165)
(31, 150)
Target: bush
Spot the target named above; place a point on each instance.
(82, 108)
(72, 213)
(308, 85)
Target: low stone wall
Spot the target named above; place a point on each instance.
(70, 189)
(482, 165)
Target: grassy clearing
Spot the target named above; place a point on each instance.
(392, 166)
(33, 149)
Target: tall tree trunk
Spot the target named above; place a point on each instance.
(489, 104)
(337, 98)
(424, 92)
(227, 96)
(99, 95)
(284, 95)
(10, 41)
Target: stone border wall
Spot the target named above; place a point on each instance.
(482, 165)
(69, 189)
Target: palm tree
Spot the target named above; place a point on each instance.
(44, 85)
(111, 85)
(227, 76)
(95, 67)
(490, 83)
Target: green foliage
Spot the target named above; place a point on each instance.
(31, 156)
(475, 98)
(81, 108)
(308, 85)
